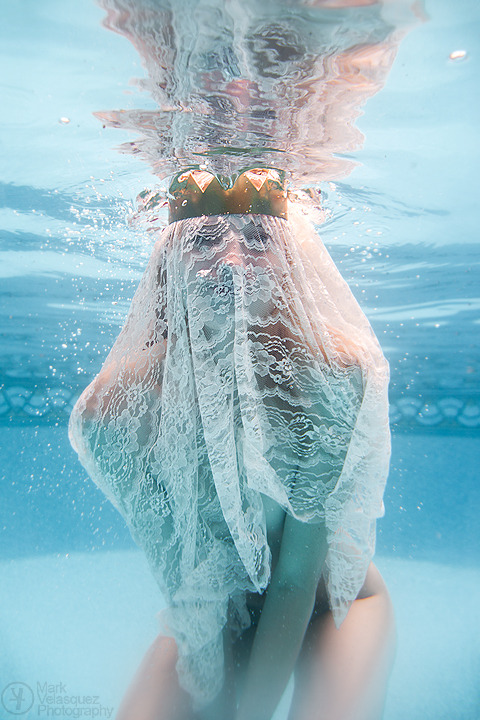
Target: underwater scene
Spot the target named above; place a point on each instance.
(368, 112)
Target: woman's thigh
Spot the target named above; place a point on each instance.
(343, 673)
(323, 642)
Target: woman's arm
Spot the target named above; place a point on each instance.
(285, 616)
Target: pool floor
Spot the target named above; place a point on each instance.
(74, 629)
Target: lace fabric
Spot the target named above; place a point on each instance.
(284, 81)
(245, 368)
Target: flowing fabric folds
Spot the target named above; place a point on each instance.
(245, 367)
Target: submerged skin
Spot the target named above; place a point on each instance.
(342, 674)
(338, 674)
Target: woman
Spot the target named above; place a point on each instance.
(240, 426)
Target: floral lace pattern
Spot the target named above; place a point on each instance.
(245, 367)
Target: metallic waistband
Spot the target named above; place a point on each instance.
(256, 190)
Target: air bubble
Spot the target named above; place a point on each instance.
(458, 55)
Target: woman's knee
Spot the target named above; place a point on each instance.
(164, 653)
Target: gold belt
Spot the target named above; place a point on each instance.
(256, 190)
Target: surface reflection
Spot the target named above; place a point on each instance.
(238, 84)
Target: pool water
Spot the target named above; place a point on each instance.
(77, 601)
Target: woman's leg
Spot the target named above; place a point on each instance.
(155, 693)
(342, 674)
(223, 706)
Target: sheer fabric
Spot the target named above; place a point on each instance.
(245, 368)
(285, 79)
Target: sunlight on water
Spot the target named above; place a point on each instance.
(281, 85)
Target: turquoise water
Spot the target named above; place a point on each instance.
(402, 228)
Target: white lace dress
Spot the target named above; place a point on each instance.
(245, 368)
